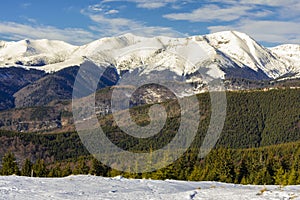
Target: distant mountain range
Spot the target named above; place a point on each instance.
(232, 51)
(37, 72)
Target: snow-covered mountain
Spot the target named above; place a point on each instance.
(289, 54)
(234, 54)
(34, 52)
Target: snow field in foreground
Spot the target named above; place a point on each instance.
(93, 187)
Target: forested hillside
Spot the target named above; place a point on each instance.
(259, 143)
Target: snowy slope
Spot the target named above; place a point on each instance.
(289, 53)
(245, 51)
(231, 52)
(92, 187)
(34, 52)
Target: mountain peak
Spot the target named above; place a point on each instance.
(290, 54)
(227, 49)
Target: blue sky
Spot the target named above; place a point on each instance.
(270, 22)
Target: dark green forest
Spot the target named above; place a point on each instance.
(277, 164)
(259, 144)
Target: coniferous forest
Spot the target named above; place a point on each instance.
(259, 144)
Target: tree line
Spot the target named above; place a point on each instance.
(276, 164)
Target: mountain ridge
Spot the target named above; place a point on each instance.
(37, 72)
(227, 49)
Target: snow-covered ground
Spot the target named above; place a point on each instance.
(93, 187)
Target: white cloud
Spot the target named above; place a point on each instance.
(272, 21)
(237, 9)
(157, 31)
(284, 8)
(147, 4)
(151, 5)
(111, 12)
(210, 13)
(111, 26)
(268, 2)
(118, 26)
(28, 19)
(100, 8)
(279, 3)
(25, 5)
(265, 30)
(16, 31)
(106, 25)
(96, 7)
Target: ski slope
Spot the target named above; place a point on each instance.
(92, 187)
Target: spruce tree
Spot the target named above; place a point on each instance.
(39, 168)
(55, 171)
(195, 174)
(292, 177)
(26, 168)
(81, 167)
(280, 176)
(67, 171)
(97, 168)
(9, 165)
(263, 177)
(242, 172)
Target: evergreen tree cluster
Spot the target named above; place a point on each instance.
(82, 165)
(277, 164)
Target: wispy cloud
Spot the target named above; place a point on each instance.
(107, 25)
(265, 30)
(154, 4)
(210, 13)
(151, 5)
(99, 9)
(111, 12)
(117, 26)
(279, 3)
(96, 7)
(284, 9)
(16, 31)
(271, 21)
(28, 19)
(25, 5)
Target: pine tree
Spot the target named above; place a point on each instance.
(159, 175)
(195, 175)
(26, 168)
(244, 181)
(55, 171)
(263, 177)
(81, 167)
(97, 168)
(9, 165)
(67, 171)
(225, 166)
(114, 172)
(39, 168)
(281, 177)
(292, 178)
(242, 172)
